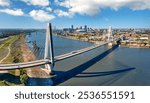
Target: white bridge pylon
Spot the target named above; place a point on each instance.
(49, 49)
(110, 35)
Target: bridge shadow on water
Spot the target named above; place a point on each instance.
(64, 76)
(96, 74)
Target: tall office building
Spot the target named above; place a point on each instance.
(85, 28)
(72, 27)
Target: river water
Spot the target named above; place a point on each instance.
(61, 45)
(102, 66)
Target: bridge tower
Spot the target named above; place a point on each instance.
(110, 33)
(110, 36)
(49, 50)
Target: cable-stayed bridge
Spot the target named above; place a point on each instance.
(49, 59)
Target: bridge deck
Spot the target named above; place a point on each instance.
(23, 65)
(47, 61)
(77, 52)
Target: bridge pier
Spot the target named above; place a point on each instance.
(110, 44)
(49, 50)
(113, 43)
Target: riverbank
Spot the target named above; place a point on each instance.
(132, 46)
(11, 50)
(136, 45)
(8, 53)
(75, 38)
(14, 49)
(18, 52)
(98, 42)
(34, 72)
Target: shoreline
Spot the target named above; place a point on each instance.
(34, 72)
(97, 42)
(133, 46)
(26, 50)
(26, 55)
(72, 38)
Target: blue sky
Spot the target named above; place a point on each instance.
(64, 13)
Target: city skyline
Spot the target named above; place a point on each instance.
(64, 13)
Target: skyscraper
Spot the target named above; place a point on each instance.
(85, 28)
(72, 27)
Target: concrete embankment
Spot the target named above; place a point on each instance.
(28, 55)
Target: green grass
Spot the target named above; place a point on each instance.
(2, 83)
(5, 44)
(15, 56)
(9, 41)
(23, 76)
(3, 53)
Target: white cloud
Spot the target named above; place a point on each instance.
(63, 13)
(4, 2)
(49, 9)
(37, 2)
(93, 7)
(41, 15)
(17, 12)
(84, 7)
